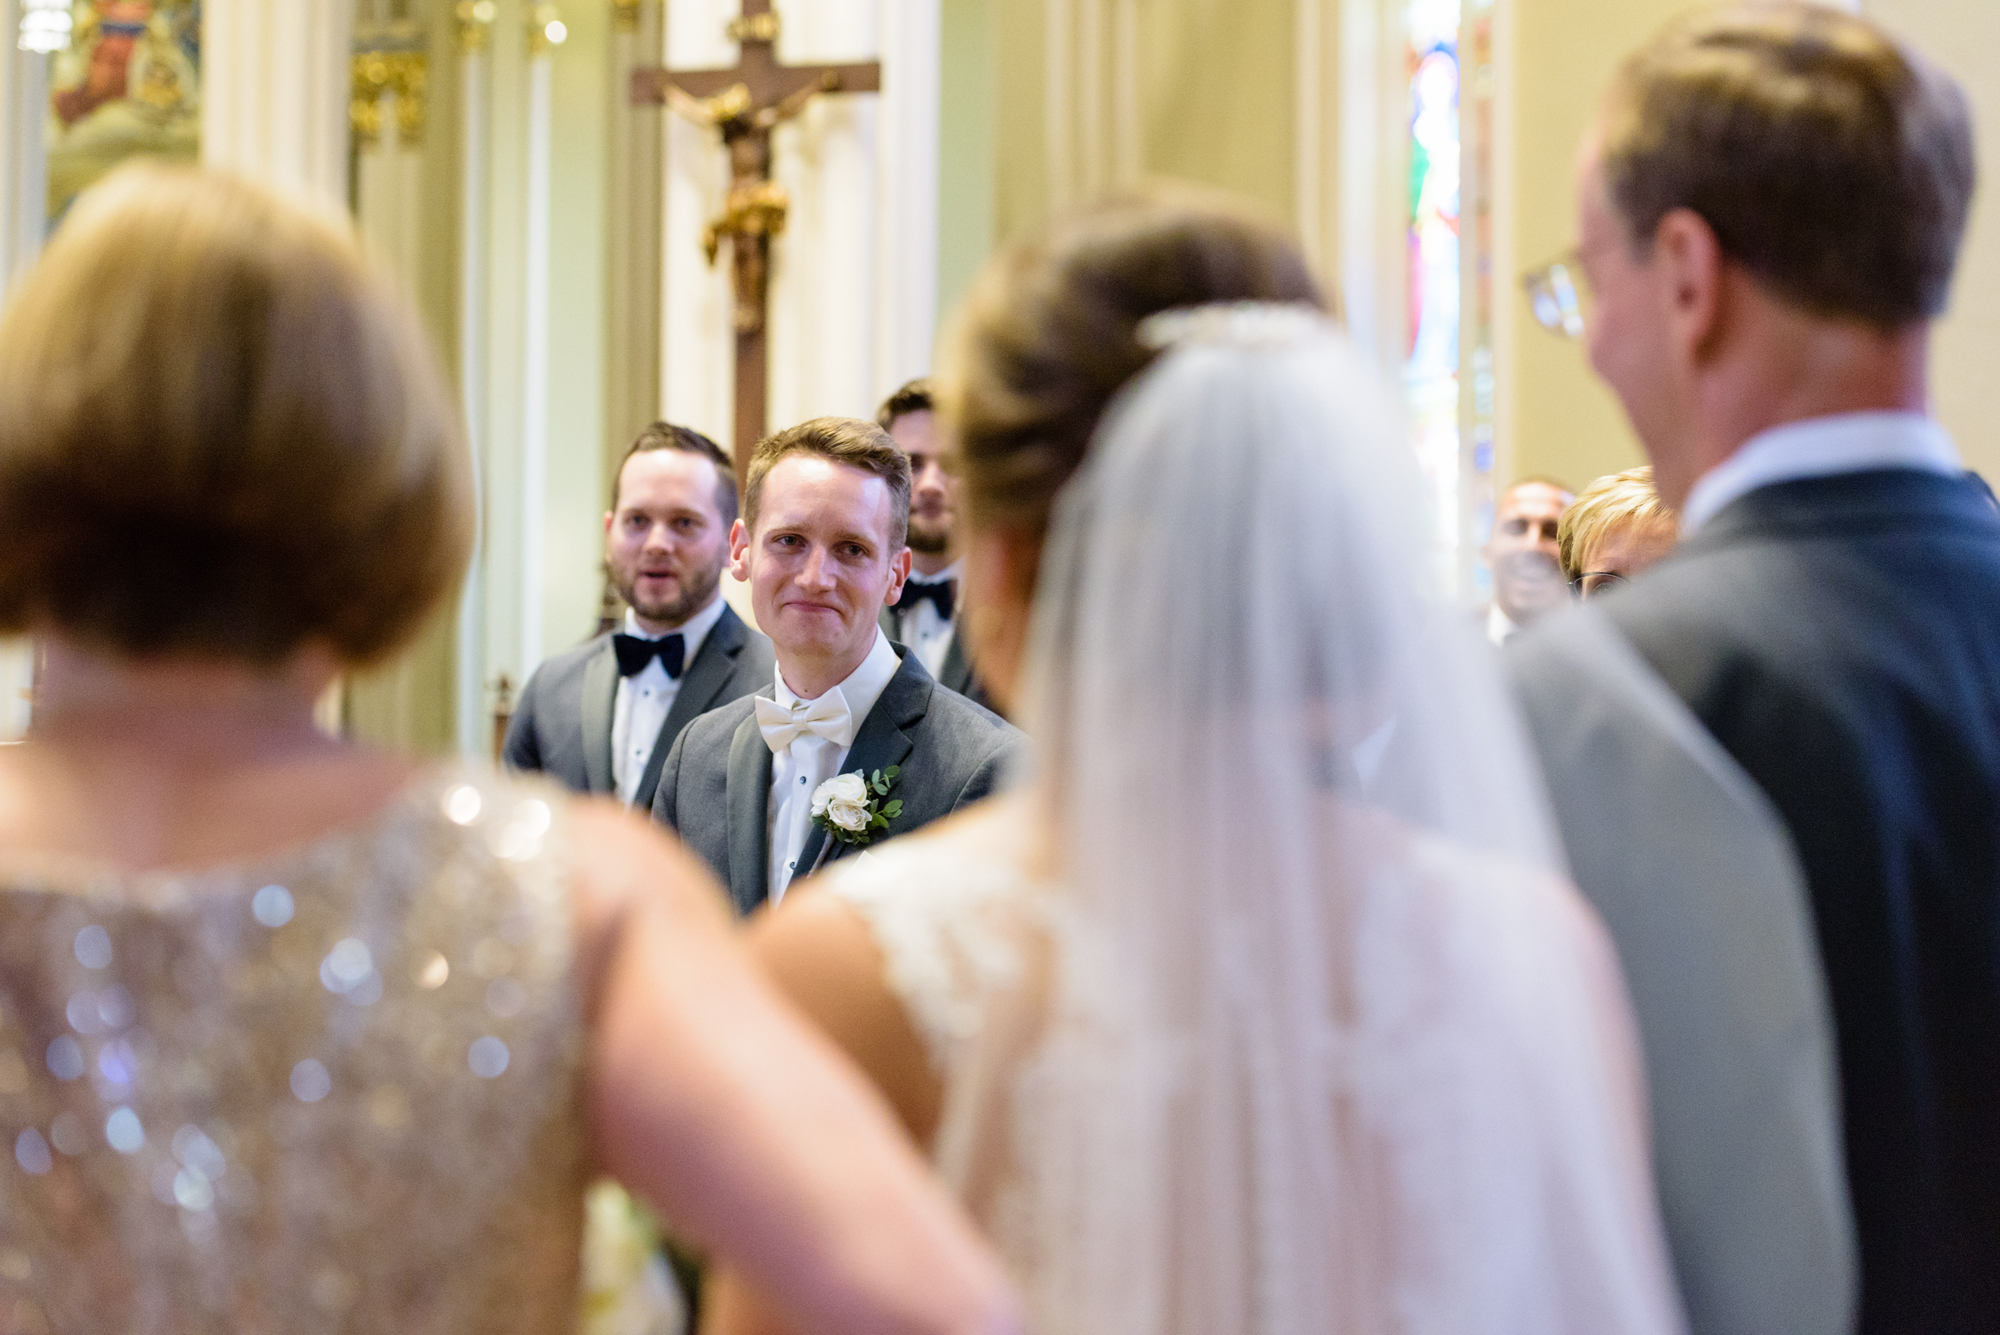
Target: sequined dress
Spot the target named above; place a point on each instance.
(334, 1090)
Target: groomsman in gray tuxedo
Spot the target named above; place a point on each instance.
(763, 789)
(603, 716)
(925, 617)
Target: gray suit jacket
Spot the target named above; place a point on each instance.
(955, 673)
(1692, 871)
(716, 787)
(562, 724)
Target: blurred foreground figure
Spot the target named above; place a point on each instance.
(293, 1035)
(1770, 208)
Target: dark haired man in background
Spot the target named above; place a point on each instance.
(925, 617)
(603, 716)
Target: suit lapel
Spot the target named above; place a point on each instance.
(955, 673)
(600, 700)
(748, 796)
(886, 738)
(704, 680)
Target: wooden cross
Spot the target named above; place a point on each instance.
(745, 103)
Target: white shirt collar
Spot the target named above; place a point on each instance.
(863, 686)
(1499, 626)
(692, 631)
(1821, 447)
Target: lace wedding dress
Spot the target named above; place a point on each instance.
(338, 1090)
(1302, 1032)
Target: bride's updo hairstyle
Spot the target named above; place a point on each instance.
(1047, 335)
(1045, 340)
(220, 435)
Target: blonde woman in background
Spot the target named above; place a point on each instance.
(1615, 528)
(296, 1035)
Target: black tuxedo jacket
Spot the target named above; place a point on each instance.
(955, 672)
(715, 789)
(562, 724)
(1841, 638)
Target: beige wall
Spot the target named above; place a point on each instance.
(1964, 36)
(1203, 90)
(1556, 57)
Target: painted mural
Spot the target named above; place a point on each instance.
(128, 85)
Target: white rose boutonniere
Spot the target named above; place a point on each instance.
(850, 808)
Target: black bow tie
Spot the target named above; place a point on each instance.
(634, 652)
(942, 594)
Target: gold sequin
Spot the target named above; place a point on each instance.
(248, 1100)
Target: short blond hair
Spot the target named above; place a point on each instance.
(1610, 502)
(220, 435)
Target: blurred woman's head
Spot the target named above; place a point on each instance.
(220, 436)
(1046, 340)
(1615, 528)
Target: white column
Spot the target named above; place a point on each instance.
(535, 364)
(274, 94)
(474, 723)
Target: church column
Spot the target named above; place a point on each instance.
(275, 94)
(632, 308)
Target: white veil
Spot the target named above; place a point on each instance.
(1330, 1048)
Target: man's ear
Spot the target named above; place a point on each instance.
(739, 551)
(609, 515)
(899, 571)
(1689, 261)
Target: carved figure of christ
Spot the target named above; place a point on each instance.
(744, 104)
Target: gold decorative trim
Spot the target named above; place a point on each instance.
(475, 24)
(625, 13)
(754, 28)
(546, 30)
(377, 72)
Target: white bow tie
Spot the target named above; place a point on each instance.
(826, 717)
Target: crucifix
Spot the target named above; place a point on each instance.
(744, 104)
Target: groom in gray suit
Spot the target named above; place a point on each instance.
(823, 544)
(602, 717)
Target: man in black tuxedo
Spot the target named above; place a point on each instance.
(822, 544)
(1770, 213)
(603, 716)
(925, 616)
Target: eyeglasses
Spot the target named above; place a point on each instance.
(1594, 582)
(1556, 294)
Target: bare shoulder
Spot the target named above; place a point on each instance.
(621, 863)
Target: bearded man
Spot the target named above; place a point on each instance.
(603, 716)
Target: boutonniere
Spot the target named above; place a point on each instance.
(850, 808)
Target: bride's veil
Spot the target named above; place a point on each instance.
(1309, 899)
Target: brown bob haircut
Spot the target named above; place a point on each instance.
(1833, 165)
(667, 436)
(1049, 332)
(845, 440)
(220, 435)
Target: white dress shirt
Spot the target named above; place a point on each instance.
(799, 770)
(645, 700)
(1500, 627)
(927, 634)
(1821, 447)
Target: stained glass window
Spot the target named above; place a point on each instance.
(1451, 421)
